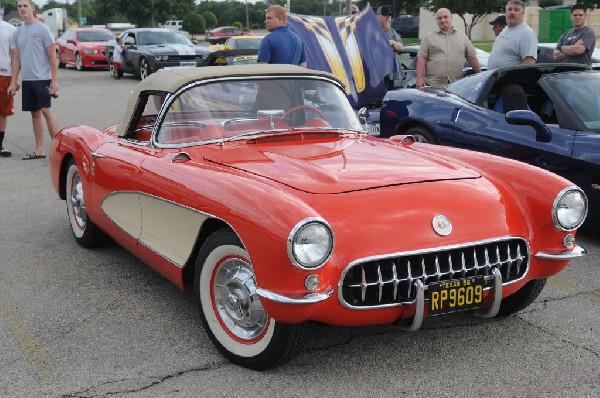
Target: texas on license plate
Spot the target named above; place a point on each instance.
(455, 295)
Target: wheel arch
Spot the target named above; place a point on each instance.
(402, 127)
(64, 169)
(208, 227)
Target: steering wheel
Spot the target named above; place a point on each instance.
(312, 110)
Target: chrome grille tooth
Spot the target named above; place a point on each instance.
(498, 260)
(509, 260)
(395, 276)
(437, 269)
(363, 284)
(488, 265)
(519, 260)
(451, 266)
(379, 283)
(464, 264)
(475, 261)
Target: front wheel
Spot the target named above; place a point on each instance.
(522, 298)
(144, 68)
(421, 134)
(231, 311)
(79, 62)
(85, 231)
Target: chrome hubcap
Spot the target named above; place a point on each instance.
(236, 301)
(79, 62)
(77, 202)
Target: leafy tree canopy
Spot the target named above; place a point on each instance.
(477, 9)
(194, 23)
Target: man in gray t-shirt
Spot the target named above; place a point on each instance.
(517, 43)
(34, 58)
(576, 45)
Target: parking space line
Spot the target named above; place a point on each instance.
(30, 346)
(573, 290)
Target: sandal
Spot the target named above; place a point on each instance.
(33, 155)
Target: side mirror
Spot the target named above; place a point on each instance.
(71, 41)
(528, 118)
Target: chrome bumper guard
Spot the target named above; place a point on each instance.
(310, 298)
(486, 312)
(577, 251)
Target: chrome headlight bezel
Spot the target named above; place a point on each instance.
(301, 228)
(560, 206)
(161, 57)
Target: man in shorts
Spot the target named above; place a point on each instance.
(34, 56)
(6, 100)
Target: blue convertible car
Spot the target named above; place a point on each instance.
(556, 126)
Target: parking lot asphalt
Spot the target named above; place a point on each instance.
(96, 323)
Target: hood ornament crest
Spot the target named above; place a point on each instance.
(441, 225)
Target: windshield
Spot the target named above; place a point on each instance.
(245, 44)
(225, 109)
(469, 88)
(162, 37)
(581, 93)
(95, 36)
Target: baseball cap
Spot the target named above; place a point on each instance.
(500, 20)
(385, 11)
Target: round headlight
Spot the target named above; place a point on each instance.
(310, 243)
(570, 209)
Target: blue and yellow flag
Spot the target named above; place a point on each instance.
(352, 47)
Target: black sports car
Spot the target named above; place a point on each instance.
(149, 49)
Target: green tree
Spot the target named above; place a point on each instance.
(9, 5)
(144, 13)
(238, 24)
(477, 9)
(194, 24)
(210, 18)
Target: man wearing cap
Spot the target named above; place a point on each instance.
(384, 16)
(443, 52)
(498, 24)
(517, 43)
(576, 45)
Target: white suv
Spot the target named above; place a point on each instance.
(174, 25)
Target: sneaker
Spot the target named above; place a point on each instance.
(4, 153)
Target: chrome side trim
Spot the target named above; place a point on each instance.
(310, 298)
(417, 320)
(493, 309)
(577, 251)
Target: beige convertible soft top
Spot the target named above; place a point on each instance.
(170, 80)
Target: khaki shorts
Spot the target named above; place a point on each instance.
(6, 101)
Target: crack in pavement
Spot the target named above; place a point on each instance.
(155, 381)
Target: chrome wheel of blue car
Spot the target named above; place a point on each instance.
(421, 134)
(85, 231)
(231, 311)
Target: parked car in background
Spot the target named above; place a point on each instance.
(150, 49)
(546, 51)
(83, 48)
(407, 26)
(238, 43)
(231, 57)
(221, 34)
(173, 25)
(255, 187)
(558, 129)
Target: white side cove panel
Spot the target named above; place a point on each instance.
(169, 228)
(125, 209)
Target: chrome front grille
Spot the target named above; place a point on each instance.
(388, 281)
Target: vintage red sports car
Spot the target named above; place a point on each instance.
(256, 187)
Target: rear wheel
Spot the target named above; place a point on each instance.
(60, 64)
(111, 66)
(522, 298)
(86, 232)
(421, 134)
(231, 311)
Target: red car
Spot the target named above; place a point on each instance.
(220, 35)
(83, 47)
(256, 187)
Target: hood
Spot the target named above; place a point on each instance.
(343, 165)
(180, 49)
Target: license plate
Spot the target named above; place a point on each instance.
(187, 63)
(455, 295)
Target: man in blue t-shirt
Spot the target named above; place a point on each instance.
(282, 45)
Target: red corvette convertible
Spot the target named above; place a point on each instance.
(256, 187)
